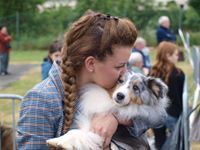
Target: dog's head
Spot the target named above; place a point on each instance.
(138, 89)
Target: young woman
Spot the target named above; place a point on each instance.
(96, 50)
(166, 69)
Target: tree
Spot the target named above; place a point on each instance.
(10, 7)
(139, 11)
(195, 4)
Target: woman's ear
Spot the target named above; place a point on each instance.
(89, 63)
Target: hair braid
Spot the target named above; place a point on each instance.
(70, 65)
(69, 80)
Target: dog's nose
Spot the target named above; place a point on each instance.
(120, 96)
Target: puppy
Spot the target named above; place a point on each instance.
(134, 96)
(6, 137)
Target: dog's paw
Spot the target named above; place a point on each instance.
(61, 142)
(53, 142)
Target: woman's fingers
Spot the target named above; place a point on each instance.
(105, 126)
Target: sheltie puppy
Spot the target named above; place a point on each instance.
(135, 96)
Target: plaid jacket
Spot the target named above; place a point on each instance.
(41, 114)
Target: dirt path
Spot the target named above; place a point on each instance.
(16, 71)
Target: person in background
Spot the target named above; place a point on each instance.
(140, 47)
(135, 62)
(5, 48)
(165, 68)
(163, 32)
(54, 54)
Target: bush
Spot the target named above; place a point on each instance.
(26, 42)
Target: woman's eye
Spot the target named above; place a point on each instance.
(121, 81)
(135, 88)
(121, 66)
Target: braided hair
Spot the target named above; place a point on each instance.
(93, 34)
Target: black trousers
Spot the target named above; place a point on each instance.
(160, 137)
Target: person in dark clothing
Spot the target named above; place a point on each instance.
(166, 69)
(163, 32)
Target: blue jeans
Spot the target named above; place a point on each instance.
(4, 60)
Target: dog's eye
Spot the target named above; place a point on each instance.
(121, 81)
(135, 88)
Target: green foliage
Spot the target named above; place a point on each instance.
(10, 7)
(192, 20)
(138, 11)
(34, 30)
(196, 5)
(194, 38)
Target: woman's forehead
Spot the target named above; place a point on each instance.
(121, 51)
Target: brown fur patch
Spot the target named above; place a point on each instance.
(6, 137)
(156, 89)
(135, 100)
(136, 82)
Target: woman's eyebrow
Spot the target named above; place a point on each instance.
(122, 63)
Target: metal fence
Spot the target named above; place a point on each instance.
(13, 98)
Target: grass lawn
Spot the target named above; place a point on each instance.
(29, 56)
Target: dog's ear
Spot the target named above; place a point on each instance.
(158, 87)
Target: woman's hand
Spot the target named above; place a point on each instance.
(125, 122)
(104, 125)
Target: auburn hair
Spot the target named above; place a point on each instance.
(163, 67)
(93, 34)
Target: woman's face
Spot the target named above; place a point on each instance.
(173, 58)
(107, 72)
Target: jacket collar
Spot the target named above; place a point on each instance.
(55, 75)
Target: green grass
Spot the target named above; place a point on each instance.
(29, 56)
(21, 86)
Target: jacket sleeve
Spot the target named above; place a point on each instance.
(140, 125)
(37, 121)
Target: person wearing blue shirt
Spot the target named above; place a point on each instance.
(54, 54)
(140, 47)
(163, 32)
